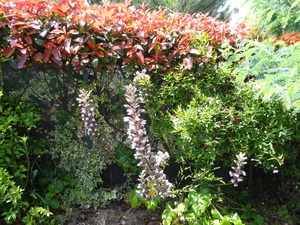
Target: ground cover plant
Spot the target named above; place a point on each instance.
(165, 116)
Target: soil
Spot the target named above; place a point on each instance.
(115, 214)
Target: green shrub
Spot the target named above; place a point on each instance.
(218, 126)
(199, 208)
(273, 67)
(18, 153)
(86, 166)
(17, 118)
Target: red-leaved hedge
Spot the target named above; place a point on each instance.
(72, 31)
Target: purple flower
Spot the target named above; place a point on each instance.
(92, 128)
(238, 173)
(88, 115)
(152, 180)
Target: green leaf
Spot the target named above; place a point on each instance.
(295, 3)
(59, 187)
(54, 203)
(51, 188)
(95, 62)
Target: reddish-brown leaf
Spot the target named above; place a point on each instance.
(75, 32)
(90, 44)
(28, 39)
(46, 56)
(140, 58)
(8, 51)
(67, 45)
(100, 54)
(18, 45)
(57, 63)
(188, 62)
(22, 60)
(127, 60)
(37, 56)
(3, 24)
(24, 51)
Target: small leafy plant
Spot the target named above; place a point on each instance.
(199, 208)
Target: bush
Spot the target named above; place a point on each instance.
(86, 165)
(17, 119)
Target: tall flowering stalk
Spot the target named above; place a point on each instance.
(152, 180)
(88, 116)
(238, 173)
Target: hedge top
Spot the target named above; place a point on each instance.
(74, 32)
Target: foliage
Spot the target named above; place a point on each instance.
(206, 116)
(197, 111)
(11, 194)
(13, 205)
(17, 148)
(273, 67)
(86, 165)
(135, 199)
(18, 118)
(213, 7)
(277, 17)
(249, 212)
(199, 208)
(73, 32)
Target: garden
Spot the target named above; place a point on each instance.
(118, 113)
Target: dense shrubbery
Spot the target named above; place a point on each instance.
(198, 115)
(18, 151)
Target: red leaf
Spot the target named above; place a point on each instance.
(140, 58)
(116, 47)
(8, 52)
(19, 23)
(46, 56)
(61, 38)
(57, 32)
(188, 62)
(67, 45)
(127, 60)
(56, 63)
(28, 39)
(23, 50)
(3, 24)
(171, 56)
(18, 45)
(37, 56)
(22, 60)
(56, 54)
(100, 54)
(79, 40)
(73, 32)
(90, 44)
(49, 45)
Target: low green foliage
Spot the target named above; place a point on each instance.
(199, 208)
(136, 200)
(17, 118)
(86, 166)
(17, 148)
(12, 204)
(10, 198)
